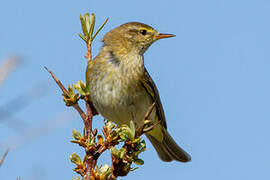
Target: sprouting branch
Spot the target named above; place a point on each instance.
(93, 143)
(71, 98)
(88, 25)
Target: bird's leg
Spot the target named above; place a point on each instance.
(145, 130)
(146, 123)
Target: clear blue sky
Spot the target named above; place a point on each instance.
(213, 79)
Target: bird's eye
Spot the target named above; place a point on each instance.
(143, 32)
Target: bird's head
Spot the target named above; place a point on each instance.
(133, 36)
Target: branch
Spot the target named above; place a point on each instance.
(65, 92)
(7, 66)
(3, 157)
(133, 145)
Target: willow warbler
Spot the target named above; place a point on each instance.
(122, 90)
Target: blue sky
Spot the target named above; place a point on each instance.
(213, 79)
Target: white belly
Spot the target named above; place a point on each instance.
(120, 105)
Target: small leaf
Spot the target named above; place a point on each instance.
(124, 137)
(76, 135)
(128, 134)
(90, 141)
(104, 168)
(81, 88)
(76, 178)
(75, 159)
(122, 153)
(99, 29)
(137, 140)
(139, 162)
(84, 28)
(133, 169)
(81, 36)
(82, 84)
(133, 129)
(100, 139)
(70, 90)
(76, 142)
(87, 22)
(110, 125)
(84, 160)
(114, 152)
(92, 20)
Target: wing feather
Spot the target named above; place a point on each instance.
(151, 88)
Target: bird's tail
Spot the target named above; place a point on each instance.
(167, 149)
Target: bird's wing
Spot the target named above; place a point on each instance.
(152, 90)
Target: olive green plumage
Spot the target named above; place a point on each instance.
(121, 89)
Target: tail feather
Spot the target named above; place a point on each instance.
(168, 150)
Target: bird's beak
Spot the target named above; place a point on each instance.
(161, 36)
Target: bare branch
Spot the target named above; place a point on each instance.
(58, 82)
(6, 67)
(3, 157)
(64, 90)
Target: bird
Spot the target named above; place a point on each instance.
(122, 90)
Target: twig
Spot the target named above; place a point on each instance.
(6, 67)
(90, 160)
(87, 118)
(89, 52)
(64, 90)
(58, 82)
(3, 157)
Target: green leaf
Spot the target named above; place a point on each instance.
(81, 88)
(115, 152)
(133, 129)
(139, 162)
(92, 20)
(75, 159)
(124, 136)
(83, 24)
(70, 90)
(122, 152)
(76, 135)
(87, 22)
(99, 29)
(83, 85)
(76, 178)
(143, 144)
(137, 140)
(90, 141)
(81, 36)
(133, 169)
(110, 125)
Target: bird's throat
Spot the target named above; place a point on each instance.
(129, 64)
